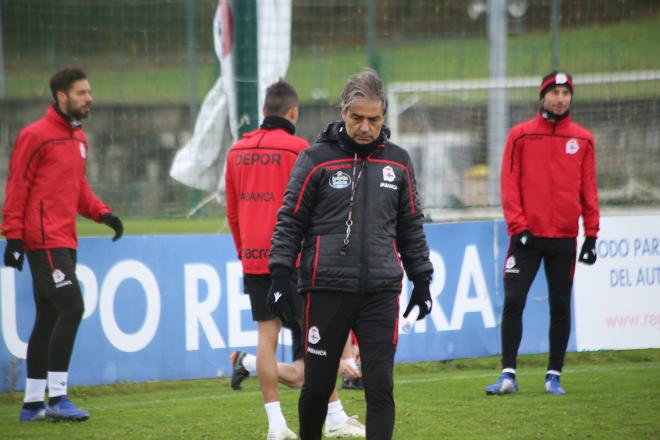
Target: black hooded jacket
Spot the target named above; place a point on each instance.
(387, 231)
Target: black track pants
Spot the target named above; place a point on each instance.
(558, 255)
(59, 310)
(328, 318)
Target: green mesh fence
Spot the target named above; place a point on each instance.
(151, 62)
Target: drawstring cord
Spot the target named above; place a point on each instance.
(349, 218)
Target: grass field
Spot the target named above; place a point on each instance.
(320, 73)
(610, 395)
(157, 226)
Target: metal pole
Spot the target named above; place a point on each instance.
(246, 69)
(497, 97)
(372, 51)
(191, 63)
(554, 34)
(3, 90)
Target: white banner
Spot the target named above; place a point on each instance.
(198, 163)
(617, 301)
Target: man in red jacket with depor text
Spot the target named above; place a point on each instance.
(548, 181)
(46, 189)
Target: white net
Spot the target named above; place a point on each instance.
(445, 126)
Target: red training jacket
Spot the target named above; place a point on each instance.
(549, 179)
(258, 168)
(46, 185)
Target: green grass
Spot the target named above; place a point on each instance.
(157, 226)
(610, 395)
(629, 45)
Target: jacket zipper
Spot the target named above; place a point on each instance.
(364, 273)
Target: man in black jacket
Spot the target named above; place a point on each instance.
(351, 205)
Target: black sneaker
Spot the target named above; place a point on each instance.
(352, 384)
(239, 373)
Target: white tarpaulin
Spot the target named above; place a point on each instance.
(199, 163)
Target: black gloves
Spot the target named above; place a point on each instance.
(14, 253)
(588, 251)
(279, 300)
(523, 239)
(421, 296)
(114, 222)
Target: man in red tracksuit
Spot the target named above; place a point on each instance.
(548, 181)
(46, 189)
(258, 168)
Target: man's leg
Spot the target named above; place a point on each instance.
(326, 327)
(59, 286)
(519, 272)
(37, 350)
(376, 329)
(520, 269)
(559, 268)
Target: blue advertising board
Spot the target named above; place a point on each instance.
(171, 307)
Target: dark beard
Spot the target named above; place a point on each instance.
(76, 114)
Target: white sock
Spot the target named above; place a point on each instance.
(250, 362)
(275, 416)
(35, 390)
(57, 382)
(336, 415)
(509, 370)
(555, 372)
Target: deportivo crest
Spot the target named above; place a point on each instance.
(572, 146)
(388, 174)
(313, 335)
(340, 180)
(83, 151)
(58, 276)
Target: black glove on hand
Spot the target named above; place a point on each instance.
(278, 299)
(114, 222)
(588, 251)
(14, 253)
(421, 296)
(523, 239)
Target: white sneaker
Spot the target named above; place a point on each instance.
(283, 433)
(350, 428)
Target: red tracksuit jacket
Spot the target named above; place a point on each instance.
(549, 179)
(258, 168)
(46, 185)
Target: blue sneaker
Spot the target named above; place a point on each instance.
(506, 384)
(33, 415)
(65, 410)
(552, 385)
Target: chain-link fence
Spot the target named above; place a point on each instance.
(151, 62)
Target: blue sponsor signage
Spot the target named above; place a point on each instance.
(171, 307)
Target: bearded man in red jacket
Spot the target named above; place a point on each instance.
(46, 188)
(548, 181)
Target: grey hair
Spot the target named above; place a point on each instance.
(366, 84)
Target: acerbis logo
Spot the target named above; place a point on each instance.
(340, 180)
(313, 335)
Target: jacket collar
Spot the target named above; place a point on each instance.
(54, 115)
(336, 132)
(274, 122)
(545, 122)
